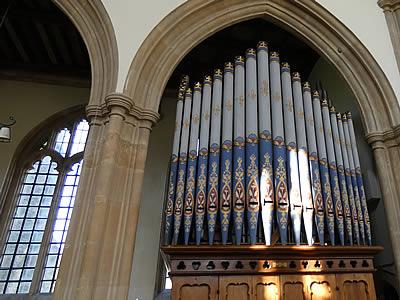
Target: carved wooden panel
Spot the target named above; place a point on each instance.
(346, 286)
(293, 289)
(356, 286)
(321, 287)
(235, 287)
(266, 288)
(195, 288)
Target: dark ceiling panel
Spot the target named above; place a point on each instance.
(234, 40)
(38, 37)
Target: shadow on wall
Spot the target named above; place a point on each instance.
(384, 292)
(164, 295)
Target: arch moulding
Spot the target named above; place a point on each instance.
(94, 25)
(195, 20)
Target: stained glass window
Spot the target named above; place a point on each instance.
(40, 219)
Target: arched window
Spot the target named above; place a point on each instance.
(39, 217)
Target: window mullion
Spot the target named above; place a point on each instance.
(71, 139)
(35, 285)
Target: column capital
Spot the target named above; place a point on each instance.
(119, 103)
(389, 4)
(389, 138)
(146, 115)
(118, 100)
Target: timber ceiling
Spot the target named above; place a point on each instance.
(39, 43)
(234, 40)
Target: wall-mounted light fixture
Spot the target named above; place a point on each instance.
(5, 130)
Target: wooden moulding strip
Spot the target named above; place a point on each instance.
(271, 251)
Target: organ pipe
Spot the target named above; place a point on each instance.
(258, 156)
(214, 158)
(265, 142)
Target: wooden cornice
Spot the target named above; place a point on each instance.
(270, 251)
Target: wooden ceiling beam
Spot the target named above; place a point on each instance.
(47, 68)
(33, 45)
(17, 42)
(61, 45)
(45, 78)
(37, 15)
(76, 47)
(5, 48)
(47, 43)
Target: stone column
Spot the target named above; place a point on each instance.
(386, 148)
(391, 9)
(98, 255)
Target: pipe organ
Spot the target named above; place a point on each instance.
(260, 161)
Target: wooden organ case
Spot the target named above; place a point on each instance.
(265, 196)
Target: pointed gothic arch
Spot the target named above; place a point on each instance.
(93, 23)
(194, 21)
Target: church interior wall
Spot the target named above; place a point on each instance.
(30, 104)
(143, 278)
(363, 17)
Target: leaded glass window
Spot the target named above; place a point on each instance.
(34, 241)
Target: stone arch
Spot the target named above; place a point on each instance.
(93, 23)
(194, 21)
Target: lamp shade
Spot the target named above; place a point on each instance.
(5, 134)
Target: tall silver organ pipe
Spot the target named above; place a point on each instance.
(349, 184)
(169, 210)
(238, 176)
(279, 148)
(323, 167)
(353, 177)
(334, 179)
(258, 156)
(302, 153)
(226, 153)
(291, 152)
(192, 162)
(252, 180)
(359, 178)
(202, 166)
(183, 155)
(341, 176)
(265, 142)
(314, 164)
(213, 159)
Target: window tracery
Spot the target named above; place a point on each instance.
(43, 203)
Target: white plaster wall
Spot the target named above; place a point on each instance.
(134, 20)
(145, 258)
(367, 21)
(31, 104)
